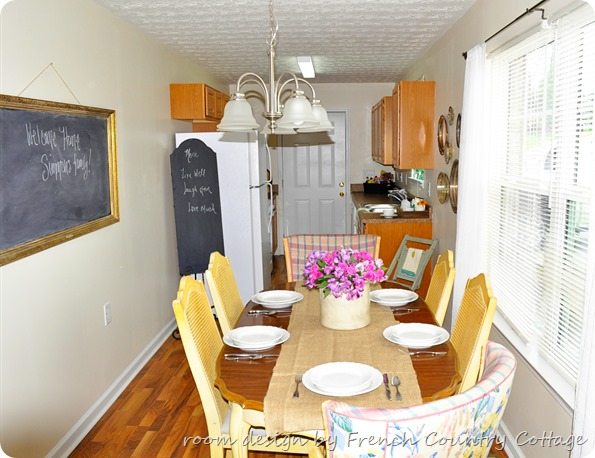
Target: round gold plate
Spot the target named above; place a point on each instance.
(442, 187)
(454, 184)
(442, 134)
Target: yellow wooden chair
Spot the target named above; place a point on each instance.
(472, 329)
(298, 247)
(202, 344)
(441, 283)
(224, 291)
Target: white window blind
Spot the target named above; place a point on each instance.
(541, 173)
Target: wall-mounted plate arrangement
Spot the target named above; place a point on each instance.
(442, 187)
(458, 130)
(454, 184)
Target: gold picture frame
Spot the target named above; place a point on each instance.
(58, 173)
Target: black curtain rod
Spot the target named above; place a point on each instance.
(527, 12)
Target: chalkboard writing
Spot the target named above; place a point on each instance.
(56, 173)
(197, 206)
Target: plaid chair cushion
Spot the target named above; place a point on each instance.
(300, 247)
(461, 425)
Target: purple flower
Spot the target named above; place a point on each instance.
(342, 272)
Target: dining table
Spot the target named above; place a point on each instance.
(244, 383)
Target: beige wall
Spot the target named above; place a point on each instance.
(532, 407)
(57, 358)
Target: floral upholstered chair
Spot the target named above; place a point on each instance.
(298, 248)
(463, 425)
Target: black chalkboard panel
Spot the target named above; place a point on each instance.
(197, 206)
(57, 173)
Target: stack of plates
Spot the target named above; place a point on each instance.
(342, 379)
(255, 338)
(416, 335)
(393, 297)
(277, 299)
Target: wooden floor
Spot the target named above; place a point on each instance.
(159, 409)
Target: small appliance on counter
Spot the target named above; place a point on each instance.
(380, 184)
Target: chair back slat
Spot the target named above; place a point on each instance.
(472, 328)
(202, 344)
(224, 291)
(441, 284)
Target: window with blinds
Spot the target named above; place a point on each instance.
(541, 173)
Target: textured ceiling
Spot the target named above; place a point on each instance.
(349, 40)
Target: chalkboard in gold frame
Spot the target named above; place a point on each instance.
(58, 174)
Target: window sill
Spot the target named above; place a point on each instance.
(558, 385)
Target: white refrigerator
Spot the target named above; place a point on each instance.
(242, 163)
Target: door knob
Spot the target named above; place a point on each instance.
(341, 194)
(341, 185)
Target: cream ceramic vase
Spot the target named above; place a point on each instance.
(339, 313)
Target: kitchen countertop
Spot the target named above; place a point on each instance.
(359, 199)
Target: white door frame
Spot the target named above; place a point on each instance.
(280, 210)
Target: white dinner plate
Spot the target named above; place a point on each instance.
(416, 335)
(342, 379)
(393, 297)
(277, 299)
(256, 338)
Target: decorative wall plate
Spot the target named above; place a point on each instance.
(454, 185)
(442, 187)
(442, 134)
(458, 130)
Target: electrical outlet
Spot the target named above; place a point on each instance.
(107, 313)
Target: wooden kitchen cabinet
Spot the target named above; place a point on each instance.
(382, 131)
(413, 124)
(391, 235)
(199, 103)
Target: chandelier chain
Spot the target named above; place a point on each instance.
(274, 26)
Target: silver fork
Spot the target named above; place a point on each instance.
(396, 382)
(298, 380)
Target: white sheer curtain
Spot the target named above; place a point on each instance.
(584, 406)
(584, 417)
(472, 175)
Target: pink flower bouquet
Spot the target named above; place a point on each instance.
(342, 272)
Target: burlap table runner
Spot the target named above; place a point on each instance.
(311, 344)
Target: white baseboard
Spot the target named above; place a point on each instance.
(510, 445)
(82, 427)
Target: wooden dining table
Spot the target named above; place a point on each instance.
(245, 383)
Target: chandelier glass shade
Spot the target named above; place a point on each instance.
(297, 114)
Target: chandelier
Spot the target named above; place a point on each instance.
(296, 115)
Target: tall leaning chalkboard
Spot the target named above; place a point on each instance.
(57, 173)
(197, 206)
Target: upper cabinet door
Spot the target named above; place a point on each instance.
(413, 118)
(382, 131)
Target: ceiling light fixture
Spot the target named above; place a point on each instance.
(298, 114)
(306, 66)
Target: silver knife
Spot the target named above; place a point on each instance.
(404, 310)
(248, 356)
(268, 312)
(427, 353)
(386, 387)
